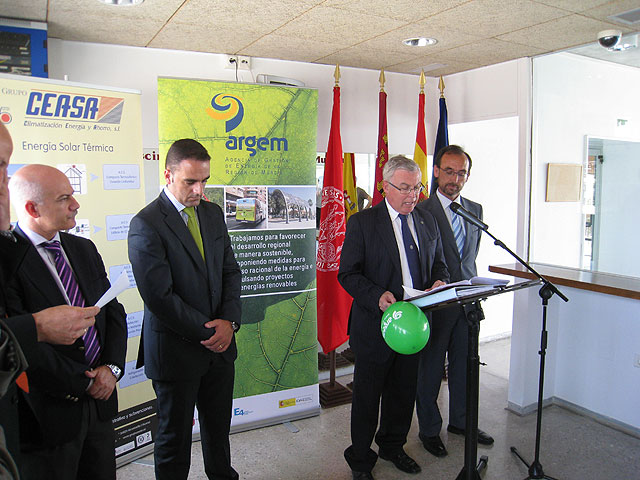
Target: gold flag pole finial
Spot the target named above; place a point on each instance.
(441, 87)
(336, 75)
(423, 81)
(382, 79)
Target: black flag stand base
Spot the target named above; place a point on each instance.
(333, 393)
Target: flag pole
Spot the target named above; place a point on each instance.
(332, 353)
(440, 85)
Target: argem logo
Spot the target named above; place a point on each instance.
(231, 110)
(44, 104)
(226, 107)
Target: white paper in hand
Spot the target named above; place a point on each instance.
(119, 286)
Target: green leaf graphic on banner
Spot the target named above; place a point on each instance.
(272, 144)
(274, 354)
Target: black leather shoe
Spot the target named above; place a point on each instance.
(434, 445)
(361, 475)
(483, 437)
(402, 461)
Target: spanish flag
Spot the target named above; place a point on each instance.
(420, 152)
(349, 182)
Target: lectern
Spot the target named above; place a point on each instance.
(470, 303)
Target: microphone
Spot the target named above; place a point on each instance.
(468, 216)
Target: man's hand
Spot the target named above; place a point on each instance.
(64, 324)
(103, 382)
(386, 299)
(5, 223)
(437, 283)
(220, 340)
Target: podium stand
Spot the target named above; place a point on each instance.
(473, 313)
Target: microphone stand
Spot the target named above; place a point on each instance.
(547, 291)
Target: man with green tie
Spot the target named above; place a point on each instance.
(188, 277)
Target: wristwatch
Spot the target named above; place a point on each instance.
(115, 370)
(235, 327)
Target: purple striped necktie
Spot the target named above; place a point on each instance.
(91, 344)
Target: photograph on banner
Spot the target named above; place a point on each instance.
(262, 143)
(292, 207)
(246, 207)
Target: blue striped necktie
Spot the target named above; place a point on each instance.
(91, 344)
(411, 250)
(458, 231)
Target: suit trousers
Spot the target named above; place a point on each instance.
(449, 334)
(89, 456)
(213, 395)
(393, 381)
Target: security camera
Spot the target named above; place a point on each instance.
(609, 38)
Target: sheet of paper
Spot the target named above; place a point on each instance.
(119, 286)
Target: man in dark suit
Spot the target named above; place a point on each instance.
(461, 242)
(19, 335)
(189, 279)
(67, 431)
(386, 247)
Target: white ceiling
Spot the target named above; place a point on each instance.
(356, 33)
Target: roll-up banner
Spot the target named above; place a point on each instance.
(94, 136)
(262, 142)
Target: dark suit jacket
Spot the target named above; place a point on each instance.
(459, 269)
(181, 291)
(370, 265)
(23, 328)
(57, 381)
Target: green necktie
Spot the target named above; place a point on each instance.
(194, 229)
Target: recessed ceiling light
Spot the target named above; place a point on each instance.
(420, 41)
(122, 3)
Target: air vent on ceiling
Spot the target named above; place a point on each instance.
(629, 18)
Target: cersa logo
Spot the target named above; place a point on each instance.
(71, 106)
(231, 110)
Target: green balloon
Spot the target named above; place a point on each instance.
(405, 328)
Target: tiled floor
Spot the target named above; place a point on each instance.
(573, 446)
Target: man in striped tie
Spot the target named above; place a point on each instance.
(72, 391)
(461, 242)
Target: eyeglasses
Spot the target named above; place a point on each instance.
(407, 190)
(451, 172)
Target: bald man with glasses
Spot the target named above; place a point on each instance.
(461, 242)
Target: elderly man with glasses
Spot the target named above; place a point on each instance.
(385, 247)
(461, 242)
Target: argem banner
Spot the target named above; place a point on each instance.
(262, 142)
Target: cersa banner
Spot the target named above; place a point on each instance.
(262, 142)
(94, 136)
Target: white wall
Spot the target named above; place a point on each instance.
(494, 92)
(592, 345)
(574, 96)
(139, 68)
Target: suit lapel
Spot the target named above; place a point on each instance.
(385, 230)
(469, 237)
(208, 232)
(36, 268)
(445, 227)
(174, 221)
